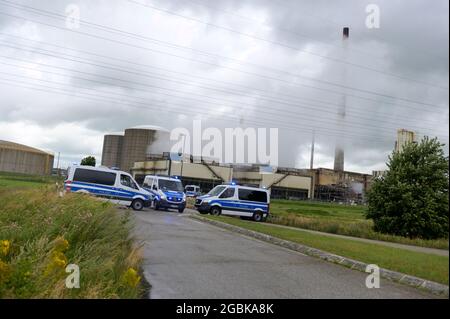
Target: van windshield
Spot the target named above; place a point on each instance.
(168, 185)
(216, 190)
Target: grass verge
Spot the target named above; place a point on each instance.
(15, 180)
(41, 233)
(337, 219)
(426, 266)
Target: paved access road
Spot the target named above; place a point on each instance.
(185, 258)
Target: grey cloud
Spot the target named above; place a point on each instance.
(412, 40)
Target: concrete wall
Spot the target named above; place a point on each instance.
(135, 147)
(19, 161)
(112, 150)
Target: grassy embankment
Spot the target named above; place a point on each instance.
(41, 233)
(427, 266)
(337, 219)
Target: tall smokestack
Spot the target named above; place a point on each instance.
(339, 151)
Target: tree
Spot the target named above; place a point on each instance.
(88, 160)
(411, 199)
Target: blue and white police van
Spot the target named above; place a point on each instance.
(235, 200)
(192, 190)
(109, 184)
(167, 192)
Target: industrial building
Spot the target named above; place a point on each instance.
(18, 158)
(339, 186)
(283, 183)
(142, 151)
(122, 150)
(404, 137)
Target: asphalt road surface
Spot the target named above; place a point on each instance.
(185, 258)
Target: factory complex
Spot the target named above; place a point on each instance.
(143, 150)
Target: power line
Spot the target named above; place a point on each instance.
(325, 132)
(284, 45)
(285, 30)
(207, 63)
(339, 25)
(176, 90)
(327, 103)
(141, 37)
(184, 98)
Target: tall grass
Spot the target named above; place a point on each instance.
(41, 233)
(338, 219)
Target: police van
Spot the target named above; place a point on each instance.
(167, 192)
(192, 190)
(235, 200)
(112, 185)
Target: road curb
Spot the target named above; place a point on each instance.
(430, 286)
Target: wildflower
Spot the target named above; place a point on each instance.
(4, 247)
(57, 263)
(131, 277)
(59, 259)
(5, 270)
(61, 244)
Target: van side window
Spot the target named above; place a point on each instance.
(252, 195)
(127, 181)
(94, 177)
(228, 193)
(148, 182)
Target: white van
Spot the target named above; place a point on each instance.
(167, 192)
(192, 190)
(235, 200)
(113, 185)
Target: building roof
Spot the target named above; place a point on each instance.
(21, 147)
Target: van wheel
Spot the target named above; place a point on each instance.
(257, 217)
(215, 211)
(137, 204)
(156, 205)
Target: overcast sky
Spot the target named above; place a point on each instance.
(231, 63)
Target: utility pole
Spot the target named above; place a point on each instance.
(311, 166)
(182, 158)
(57, 164)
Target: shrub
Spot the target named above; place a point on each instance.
(411, 200)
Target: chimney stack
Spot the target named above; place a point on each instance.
(339, 151)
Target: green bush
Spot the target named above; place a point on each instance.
(411, 200)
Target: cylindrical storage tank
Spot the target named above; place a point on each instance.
(18, 158)
(112, 150)
(136, 145)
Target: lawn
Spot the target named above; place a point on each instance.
(337, 219)
(41, 233)
(427, 266)
(14, 180)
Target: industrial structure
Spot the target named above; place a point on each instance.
(283, 183)
(143, 150)
(112, 150)
(134, 145)
(18, 158)
(404, 137)
(339, 149)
